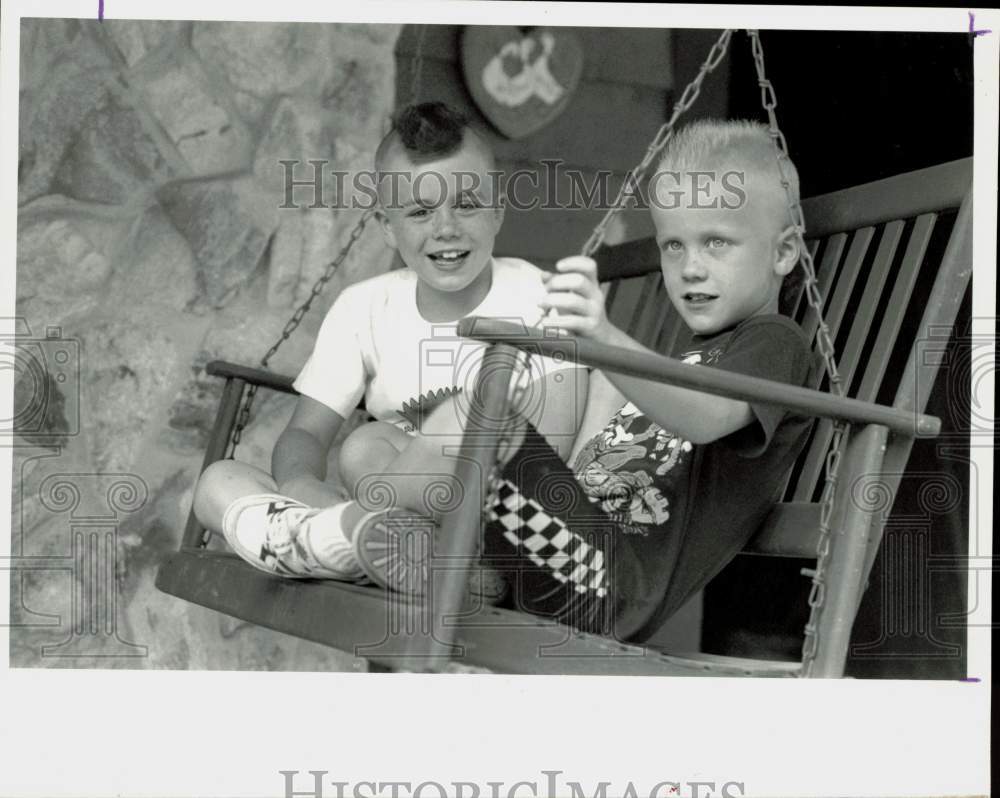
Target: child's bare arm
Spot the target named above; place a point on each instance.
(557, 418)
(700, 417)
(298, 462)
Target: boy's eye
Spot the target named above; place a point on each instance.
(672, 246)
(419, 212)
(717, 243)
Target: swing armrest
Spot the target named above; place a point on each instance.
(710, 380)
(265, 379)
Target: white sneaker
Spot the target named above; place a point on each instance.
(288, 538)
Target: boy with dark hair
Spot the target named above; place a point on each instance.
(439, 210)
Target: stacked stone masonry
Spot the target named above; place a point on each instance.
(151, 236)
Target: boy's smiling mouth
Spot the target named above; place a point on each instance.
(449, 257)
(698, 298)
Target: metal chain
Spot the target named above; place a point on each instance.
(813, 296)
(593, 243)
(817, 592)
(292, 324)
(660, 141)
(521, 379)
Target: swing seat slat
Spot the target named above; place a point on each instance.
(362, 621)
(878, 296)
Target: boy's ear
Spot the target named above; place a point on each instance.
(786, 251)
(383, 224)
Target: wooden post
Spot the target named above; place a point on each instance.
(455, 548)
(941, 310)
(858, 503)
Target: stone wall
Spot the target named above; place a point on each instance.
(150, 234)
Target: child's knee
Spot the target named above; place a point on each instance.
(221, 483)
(369, 450)
(212, 482)
(350, 459)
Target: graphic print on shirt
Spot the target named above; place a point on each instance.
(614, 468)
(415, 411)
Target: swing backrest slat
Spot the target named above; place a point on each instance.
(899, 300)
(899, 197)
(627, 298)
(649, 317)
(833, 251)
(865, 315)
(869, 378)
(877, 275)
(836, 307)
(797, 301)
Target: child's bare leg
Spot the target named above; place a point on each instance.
(370, 450)
(273, 532)
(422, 474)
(395, 547)
(222, 483)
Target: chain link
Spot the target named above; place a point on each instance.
(817, 591)
(521, 378)
(813, 296)
(633, 179)
(292, 324)
(300, 312)
(663, 136)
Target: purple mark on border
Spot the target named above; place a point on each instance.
(100, 11)
(971, 679)
(973, 31)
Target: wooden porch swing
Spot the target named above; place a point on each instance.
(879, 246)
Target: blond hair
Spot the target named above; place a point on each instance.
(734, 144)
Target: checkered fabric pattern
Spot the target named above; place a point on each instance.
(548, 542)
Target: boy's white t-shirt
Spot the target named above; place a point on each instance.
(374, 342)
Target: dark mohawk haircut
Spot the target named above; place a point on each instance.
(427, 130)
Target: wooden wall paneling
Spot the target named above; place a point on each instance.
(605, 125)
(553, 234)
(640, 56)
(439, 41)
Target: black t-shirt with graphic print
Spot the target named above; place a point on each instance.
(737, 479)
(666, 515)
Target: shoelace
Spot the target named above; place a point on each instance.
(279, 534)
